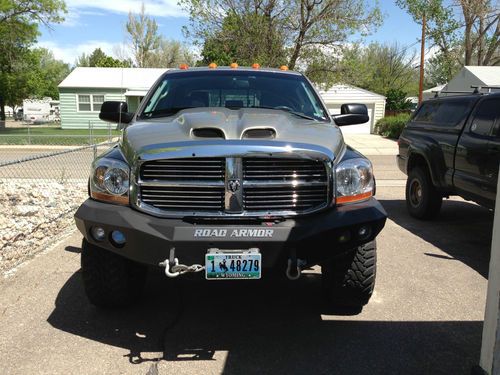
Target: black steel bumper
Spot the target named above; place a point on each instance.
(314, 238)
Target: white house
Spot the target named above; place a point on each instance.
(340, 94)
(474, 76)
(85, 89)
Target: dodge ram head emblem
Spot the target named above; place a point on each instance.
(233, 185)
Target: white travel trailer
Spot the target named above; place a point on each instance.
(39, 111)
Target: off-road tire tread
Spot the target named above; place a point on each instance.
(433, 199)
(350, 281)
(110, 280)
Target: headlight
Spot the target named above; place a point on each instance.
(110, 181)
(354, 179)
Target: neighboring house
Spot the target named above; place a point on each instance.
(474, 76)
(84, 90)
(340, 94)
(431, 93)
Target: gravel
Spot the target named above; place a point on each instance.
(33, 215)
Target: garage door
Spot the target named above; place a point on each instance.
(357, 129)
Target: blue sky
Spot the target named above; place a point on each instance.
(101, 23)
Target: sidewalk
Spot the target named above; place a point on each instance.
(371, 144)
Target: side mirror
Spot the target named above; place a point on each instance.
(116, 112)
(351, 114)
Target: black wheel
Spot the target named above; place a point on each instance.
(109, 279)
(349, 281)
(423, 201)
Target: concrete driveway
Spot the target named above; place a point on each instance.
(425, 317)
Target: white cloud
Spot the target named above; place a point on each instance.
(72, 18)
(69, 53)
(156, 8)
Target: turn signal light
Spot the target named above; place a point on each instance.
(354, 198)
(212, 65)
(234, 65)
(283, 67)
(256, 66)
(183, 66)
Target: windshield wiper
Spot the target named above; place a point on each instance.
(163, 112)
(289, 110)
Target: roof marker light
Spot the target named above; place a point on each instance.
(183, 66)
(212, 65)
(233, 65)
(283, 67)
(256, 66)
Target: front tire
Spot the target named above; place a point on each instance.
(110, 280)
(423, 201)
(349, 281)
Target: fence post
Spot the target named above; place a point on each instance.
(490, 349)
(29, 133)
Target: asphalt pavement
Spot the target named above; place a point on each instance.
(424, 318)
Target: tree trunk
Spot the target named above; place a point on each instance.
(2, 112)
(468, 44)
(296, 50)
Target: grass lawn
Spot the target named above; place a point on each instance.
(43, 135)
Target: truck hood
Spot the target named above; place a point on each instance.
(220, 127)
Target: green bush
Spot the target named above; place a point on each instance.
(392, 126)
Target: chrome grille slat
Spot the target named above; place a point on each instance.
(268, 185)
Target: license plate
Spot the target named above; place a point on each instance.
(234, 264)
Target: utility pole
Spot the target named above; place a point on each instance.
(422, 53)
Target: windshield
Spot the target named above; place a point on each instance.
(234, 89)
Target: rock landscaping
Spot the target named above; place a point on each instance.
(33, 215)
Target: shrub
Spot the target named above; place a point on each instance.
(392, 126)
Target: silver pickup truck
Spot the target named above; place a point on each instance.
(235, 173)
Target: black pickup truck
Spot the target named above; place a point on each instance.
(451, 146)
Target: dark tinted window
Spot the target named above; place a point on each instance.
(446, 113)
(485, 116)
(234, 89)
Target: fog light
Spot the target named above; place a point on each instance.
(98, 233)
(118, 238)
(364, 232)
(345, 237)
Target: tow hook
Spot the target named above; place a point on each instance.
(174, 269)
(293, 270)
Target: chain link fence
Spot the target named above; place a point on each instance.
(43, 180)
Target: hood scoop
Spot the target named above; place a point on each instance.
(209, 133)
(267, 133)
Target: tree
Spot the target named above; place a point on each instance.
(376, 67)
(303, 25)
(96, 56)
(471, 27)
(50, 73)
(245, 38)
(169, 54)
(99, 59)
(144, 38)
(19, 21)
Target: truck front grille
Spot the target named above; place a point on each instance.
(233, 186)
(299, 198)
(206, 169)
(184, 198)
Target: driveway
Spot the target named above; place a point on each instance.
(425, 316)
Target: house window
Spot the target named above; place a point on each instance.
(97, 101)
(84, 103)
(90, 103)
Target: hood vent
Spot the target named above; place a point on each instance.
(208, 133)
(260, 133)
